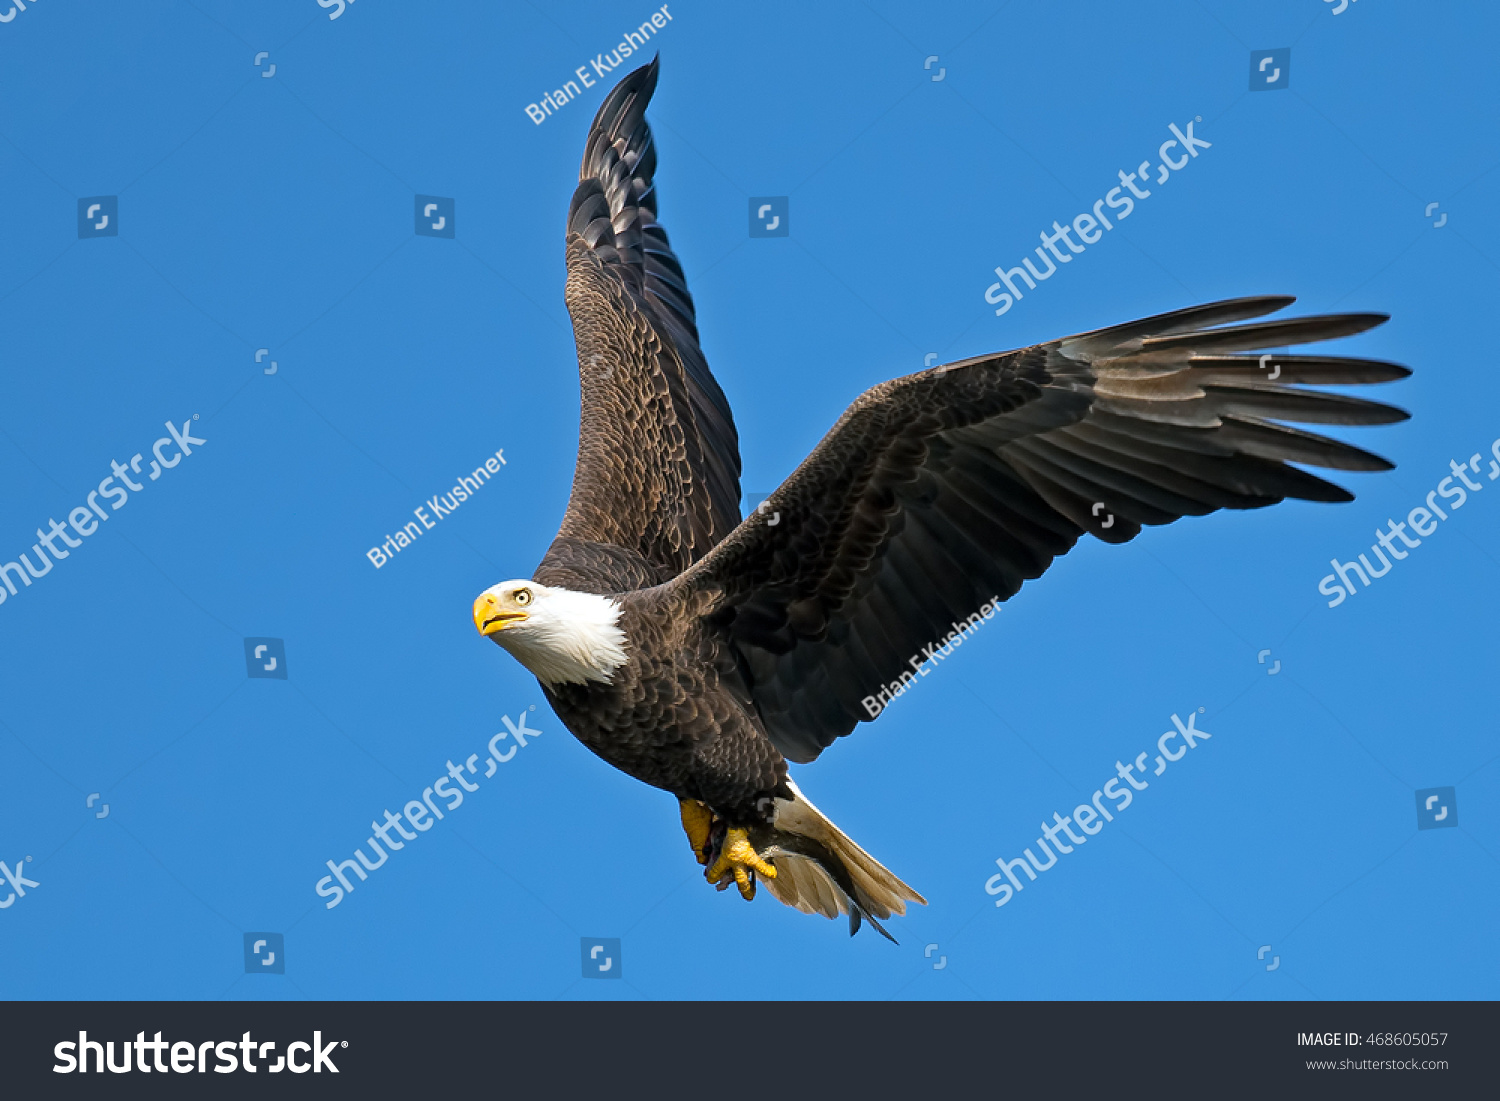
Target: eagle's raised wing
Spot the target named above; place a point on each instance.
(658, 456)
(936, 491)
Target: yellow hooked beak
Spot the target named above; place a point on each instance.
(488, 618)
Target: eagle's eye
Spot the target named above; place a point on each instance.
(522, 597)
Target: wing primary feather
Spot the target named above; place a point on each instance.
(937, 491)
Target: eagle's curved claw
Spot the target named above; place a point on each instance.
(738, 858)
(697, 820)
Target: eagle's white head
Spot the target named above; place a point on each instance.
(562, 636)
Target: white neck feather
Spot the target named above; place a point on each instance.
(569, 638)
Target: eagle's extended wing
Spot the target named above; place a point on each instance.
(935, 491)
(658, 457)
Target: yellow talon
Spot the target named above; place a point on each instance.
(696, 820)
(738, 858)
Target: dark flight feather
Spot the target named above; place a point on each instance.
(936, 491)
(658, 456)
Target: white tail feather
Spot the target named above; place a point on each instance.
(802, 882)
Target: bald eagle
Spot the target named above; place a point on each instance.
(701, 653)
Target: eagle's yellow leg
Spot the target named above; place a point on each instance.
(696, 820)
(739, 858)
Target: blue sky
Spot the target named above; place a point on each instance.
(276, 212)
